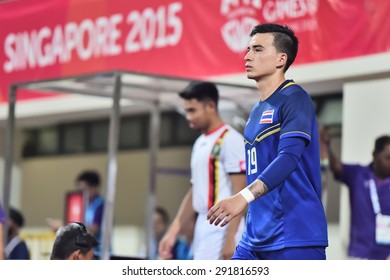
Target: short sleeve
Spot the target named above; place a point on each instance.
(348, 174)
(233, 153)
(297, 115)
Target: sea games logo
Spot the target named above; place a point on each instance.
(243, 15)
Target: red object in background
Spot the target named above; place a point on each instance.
(74, 206)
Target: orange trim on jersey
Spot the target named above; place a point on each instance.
(214, 170)
(214, 130)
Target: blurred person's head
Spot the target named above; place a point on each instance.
(201, 105)
(89, 181)
(381, 157)
(15, 222)
(73, 242)
(160, 222)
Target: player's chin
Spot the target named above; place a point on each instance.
(194, 126)
(250, 75)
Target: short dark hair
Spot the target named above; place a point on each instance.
(71, 238)
(285, 40)
(381, 142)
(91, 177)
(201, 91)
(16, 216)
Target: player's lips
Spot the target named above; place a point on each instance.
(248, 67)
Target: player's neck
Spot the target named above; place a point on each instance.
(268, 86)
(214, 126)
(12, 235)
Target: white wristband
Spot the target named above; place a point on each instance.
(247, 194)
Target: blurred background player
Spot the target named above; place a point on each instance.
(217, 172)
(182, 248)
(16, 248)
(88, 181)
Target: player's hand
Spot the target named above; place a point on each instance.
(226, 210)
(325, 136)
(165, 246)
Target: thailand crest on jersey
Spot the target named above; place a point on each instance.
(267, 117)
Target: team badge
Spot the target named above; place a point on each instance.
(267, 117)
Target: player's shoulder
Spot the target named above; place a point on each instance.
(295, 95)
(292, 88)
(233, 134)
(356, 166)
(199, 138)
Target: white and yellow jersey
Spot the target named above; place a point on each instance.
(214, 157)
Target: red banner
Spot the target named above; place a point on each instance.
(43, 39)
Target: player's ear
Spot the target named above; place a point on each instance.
(211, 104)
(281, 60)
(75, 255)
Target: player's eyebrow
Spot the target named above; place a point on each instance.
(255, 47)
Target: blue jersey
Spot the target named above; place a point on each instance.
(94, 216)
(290, 214)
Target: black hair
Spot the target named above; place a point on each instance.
(163, 213)
(381, 142)
(201, 91)
(71, 238)
(285, 40)
(91, 177)
(16, 217)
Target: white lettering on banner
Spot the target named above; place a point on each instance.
(288, 9)
(235, 32)
(149, 28)
(46, 47)
(243, 15)
(93, 38)
(228, 6)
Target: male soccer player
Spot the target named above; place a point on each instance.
(217, 172)
(285, 219)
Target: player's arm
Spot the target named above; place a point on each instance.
(290, 152)
(334, 163)
(238, 183)
(185, 213)
(227, 209)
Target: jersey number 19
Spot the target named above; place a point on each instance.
(252, 161)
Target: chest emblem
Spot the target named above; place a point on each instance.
(267, 117)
